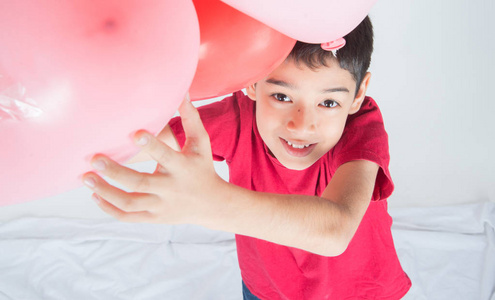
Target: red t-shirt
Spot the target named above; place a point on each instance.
(369, 268)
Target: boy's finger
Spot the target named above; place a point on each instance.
(196, 135)
(128, 202)
(134, 180)
(159, 151)
(131, 217)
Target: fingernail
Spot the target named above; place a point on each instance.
(89, 182)
(96, 198)
(99, 165)
(143, 140)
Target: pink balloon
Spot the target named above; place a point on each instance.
(95, 72)
(310, 21)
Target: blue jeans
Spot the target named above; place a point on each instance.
(246, 294)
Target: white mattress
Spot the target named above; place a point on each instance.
(449, 253)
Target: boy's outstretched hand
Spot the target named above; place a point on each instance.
(175, 193)
(186, 189)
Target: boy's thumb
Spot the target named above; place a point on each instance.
(191, 122)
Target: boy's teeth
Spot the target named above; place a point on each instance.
(297, 146)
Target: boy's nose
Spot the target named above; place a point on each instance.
(302, 121)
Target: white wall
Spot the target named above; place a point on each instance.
(432, 76)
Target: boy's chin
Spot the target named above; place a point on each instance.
(297, 165)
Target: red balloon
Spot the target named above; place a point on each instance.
(236, 50)
(95, 72)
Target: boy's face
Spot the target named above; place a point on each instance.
(301, 112)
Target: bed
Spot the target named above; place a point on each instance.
(68, 249)
(448, 252)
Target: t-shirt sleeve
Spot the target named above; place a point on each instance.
(221, 121)
(365, 138)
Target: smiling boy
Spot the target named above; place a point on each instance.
(307, 151)
(301, 112)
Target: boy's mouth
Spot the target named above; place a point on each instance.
(296, 149)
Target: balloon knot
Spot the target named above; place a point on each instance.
(110, 24)
(333, 46)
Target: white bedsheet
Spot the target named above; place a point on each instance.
(80, 259)
(449, 253)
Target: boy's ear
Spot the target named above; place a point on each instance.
(251, 91)
(361, 94)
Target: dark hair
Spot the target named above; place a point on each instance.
(354, 57)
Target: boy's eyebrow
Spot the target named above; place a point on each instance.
(334, 90)
(289, 85)
(280, 82)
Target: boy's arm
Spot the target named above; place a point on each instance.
(186, 189)
(322, 225)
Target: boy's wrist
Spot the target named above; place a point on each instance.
(212, 209)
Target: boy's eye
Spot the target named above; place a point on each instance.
(329, 103)
(281, 97)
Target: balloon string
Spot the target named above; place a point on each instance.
(14, 104)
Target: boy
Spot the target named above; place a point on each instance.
(307, 151)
